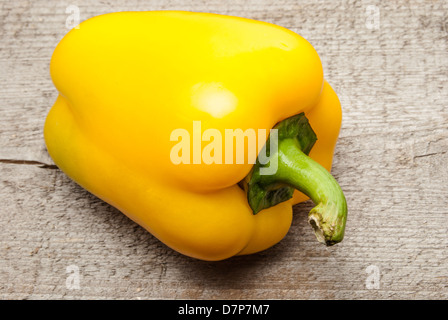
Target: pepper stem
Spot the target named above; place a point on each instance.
(296, 170)
(301, 172)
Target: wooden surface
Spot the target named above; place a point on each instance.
(391, 161)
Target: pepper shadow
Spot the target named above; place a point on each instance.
(247, 271)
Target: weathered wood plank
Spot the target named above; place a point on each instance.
(390, 161)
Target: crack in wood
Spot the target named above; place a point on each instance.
(29, 162)
(428, 155)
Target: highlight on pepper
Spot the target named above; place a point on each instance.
(204, 129)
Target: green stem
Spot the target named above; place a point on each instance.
(301, 172)
(296, 170)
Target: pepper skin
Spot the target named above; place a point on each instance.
(126, 80)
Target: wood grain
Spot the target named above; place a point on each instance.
(391, 161)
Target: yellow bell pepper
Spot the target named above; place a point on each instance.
(128, 80)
